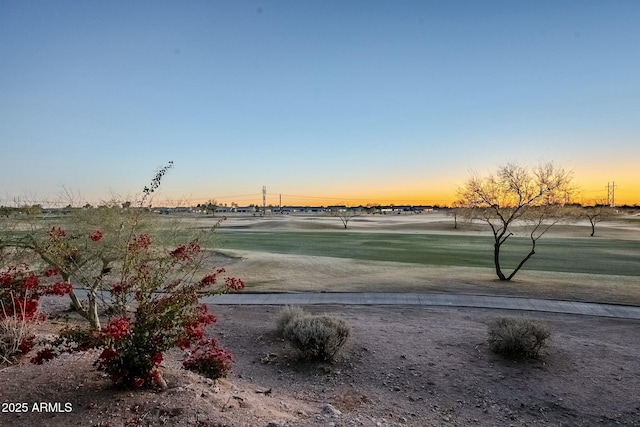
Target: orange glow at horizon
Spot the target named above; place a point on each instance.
(591, 188)
(353, 198)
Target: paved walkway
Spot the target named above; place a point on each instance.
(433, 300)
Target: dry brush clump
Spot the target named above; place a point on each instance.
(286, 315)
(16, 338)
(316, 337)
(518, 337)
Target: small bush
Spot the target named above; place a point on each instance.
(210, 360)
(286, 315)
(16, 338)
(317, 337)
(167, 314)
(517, 337)
(21, 288)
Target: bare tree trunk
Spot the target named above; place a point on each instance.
(92, 310)
(525, 259)
(76, 304)
(496, 260)
(75, 301)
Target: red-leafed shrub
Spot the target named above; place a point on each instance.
(20, 291)
(210, 360)
(166, 314)
(151, 292)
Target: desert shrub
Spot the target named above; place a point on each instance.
(317, 337)
(88, 246)
(21, 288)
(149, 287)
(286, 315)
(16, 338)
(210, 360)
(517, 337)
(159, 283)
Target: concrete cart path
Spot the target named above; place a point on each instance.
(433, 300)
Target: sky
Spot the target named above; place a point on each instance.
(322, 102)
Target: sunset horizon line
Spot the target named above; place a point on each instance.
(168, 202)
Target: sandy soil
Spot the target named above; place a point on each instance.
(404, 366)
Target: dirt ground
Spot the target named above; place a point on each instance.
(404, 366)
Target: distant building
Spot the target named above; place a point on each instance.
(245, 209)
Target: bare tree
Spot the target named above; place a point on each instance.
(516, 195)
(455, 211)
(596, 213)
(345, 215)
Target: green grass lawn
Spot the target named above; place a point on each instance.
(569, 255)
(603, 269)
(592, 256)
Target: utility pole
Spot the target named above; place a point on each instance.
(264, 199)
(280, 204)
(611, 194)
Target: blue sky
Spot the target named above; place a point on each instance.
(355, 102)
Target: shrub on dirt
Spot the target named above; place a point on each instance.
(154, 302)
(517, 337)
(317, 337)
(286, 315)
(210, 360)
(167, 313)
(16, 338)
(21, 288)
